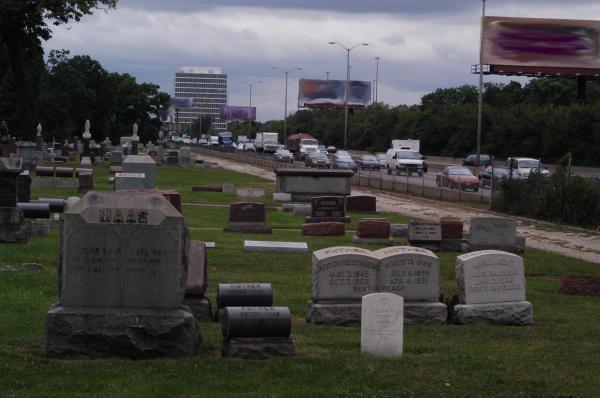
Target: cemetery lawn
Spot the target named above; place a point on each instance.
(557, 356)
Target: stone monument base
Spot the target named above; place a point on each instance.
(373, 241)
(425, 313)
(309, 219)
(340, 314)
(433, 246)
(252, 229)
(348, 314)
(258, 347)
(135, 333)
(451, 245)
(200, 307)
(509, 313)
(12, 229)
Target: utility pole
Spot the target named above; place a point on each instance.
(480, 103)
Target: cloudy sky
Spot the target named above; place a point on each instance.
(423, 44)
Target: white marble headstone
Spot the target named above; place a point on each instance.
(490, 276)
(382, 325)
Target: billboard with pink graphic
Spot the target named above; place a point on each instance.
(237, 113)
(544, 46)
(314, 93)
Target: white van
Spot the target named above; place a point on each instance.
(403, 161)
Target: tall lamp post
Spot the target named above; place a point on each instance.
(480, 102)
(377, 77)
(348, 49)
(249, 119)
(287, 72)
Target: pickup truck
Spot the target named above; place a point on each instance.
(404, 161)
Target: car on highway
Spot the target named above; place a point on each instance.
(331, 149)
(202, 141)
(343, 160)
(317, 159)
(501, 173)
(471, 160)
(526, 166)
(283, 155)
(381, 158)
(322, 148)
(248, 147)
(457, 177)
(368, 162)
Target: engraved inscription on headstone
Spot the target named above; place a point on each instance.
(328, 207)
(410, 272)
(492, 232)
(343, 273)
(490, 276)
(424, 231)
(247, 212)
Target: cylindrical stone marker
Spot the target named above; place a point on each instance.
(44, 171)
(244, 295)
(256, 322)
(56, 205)
(35, 210)
(64, 172)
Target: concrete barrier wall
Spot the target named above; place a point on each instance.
(398, 185)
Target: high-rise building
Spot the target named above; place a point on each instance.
(207, 86)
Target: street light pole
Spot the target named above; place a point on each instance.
(377, 77)
(480, 102)
(287, 72)
(326, 75)
(250, 110)
(348, 49)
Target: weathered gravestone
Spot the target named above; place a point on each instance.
(340, 277)
(12, 229)
(196, 282)
(250, 193)
(116, 158)
(491, 285)
(244, 295)
(129, 181)
(361, 203)
(24, 187)
(492, 234)
(328, 208)
(141, 164)
(425, 233)
(414, 274)
(256, 332)
(122, 278)
(373, 231)
(282, 196)
(324, 229)
(186, 155)
(382, 325)
(247, 217)
(86, 182)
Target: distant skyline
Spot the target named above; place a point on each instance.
(422, 45)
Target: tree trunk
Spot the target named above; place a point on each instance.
(14, 46)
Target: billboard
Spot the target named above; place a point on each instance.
(181, 102)
(541, 46)
(233, 113)
(331, 93)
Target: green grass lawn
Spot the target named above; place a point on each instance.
(558, 356)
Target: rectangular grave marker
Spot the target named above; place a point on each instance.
(382, 325)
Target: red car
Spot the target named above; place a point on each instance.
(457, 177)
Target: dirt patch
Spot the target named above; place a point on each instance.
(580, 286)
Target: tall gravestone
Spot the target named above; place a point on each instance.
(12, 229)
(122, 278)
(141, 164)
(382, 325)
(197, 281)
(491, 285)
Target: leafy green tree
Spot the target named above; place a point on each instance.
(23, 24)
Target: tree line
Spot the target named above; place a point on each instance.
(542, 119)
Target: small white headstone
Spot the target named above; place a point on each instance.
(275, 247)
(382, 325)
(282, 196)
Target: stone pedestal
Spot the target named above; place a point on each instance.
(139, 333)
(340, 314)
(508, 313)
(425, 313)
(258, 347)
(26, 151)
